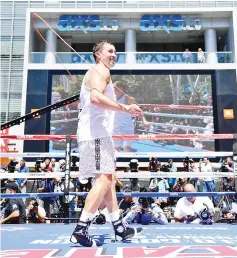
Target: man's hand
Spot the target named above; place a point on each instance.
(133, 110)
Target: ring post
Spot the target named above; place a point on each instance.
(66, 207)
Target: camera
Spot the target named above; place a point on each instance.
(223, 167)
(205, 215)
(37, 164)
(11, 166)
(165, 167)
(100, 219)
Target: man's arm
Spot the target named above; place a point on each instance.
(131, 101)
(14, 214)
(177, 213)
(98, 85)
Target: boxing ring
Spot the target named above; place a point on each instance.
(171, 240)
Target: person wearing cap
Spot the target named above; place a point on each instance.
(15, 210)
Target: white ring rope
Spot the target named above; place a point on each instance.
(125, 154)
(179, 126)
(178, 116)
(138, 175)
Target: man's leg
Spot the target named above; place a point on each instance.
(122, 232)
(93, 200)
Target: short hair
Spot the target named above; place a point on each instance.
(98, 46)
(121, 84)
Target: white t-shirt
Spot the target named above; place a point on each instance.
(207, 168)
(184, 207)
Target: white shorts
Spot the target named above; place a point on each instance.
(97, 157)
(123, 143)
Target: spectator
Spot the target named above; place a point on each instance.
(208, 182)
(187, 56)
(53, 165)
(230, 166)
(62, 165)
(45, 167)
(171, 168)
(154, 165)
(188, 208)
(168, 212)
(15, 210)
(22, 181)
(47, 186)
(35, 213)
(201, 56)
(161, 186)
(145, 212)
(194, 181)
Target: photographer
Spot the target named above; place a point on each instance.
(14, 208)
(154, 165)
(35, 213)
(38, 163)
(194, 209)
(12, 165)
(145, 212)
(229, 166)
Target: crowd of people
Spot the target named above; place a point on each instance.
(159, 210)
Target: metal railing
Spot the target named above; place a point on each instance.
(135, 57)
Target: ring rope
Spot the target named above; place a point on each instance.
(179, 126)
(139, 175)
(178, 115)
(124, 154)
(120, 194)
(124, 137)
(177, 106)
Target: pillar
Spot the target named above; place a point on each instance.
(211, 46)
(130, 46)
(51, 38)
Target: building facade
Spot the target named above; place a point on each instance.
(149, 36)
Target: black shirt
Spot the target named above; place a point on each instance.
(16, 205)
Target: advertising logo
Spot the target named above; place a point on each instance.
(169, 23)
(86, 23)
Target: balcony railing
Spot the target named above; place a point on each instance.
(134, 57)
